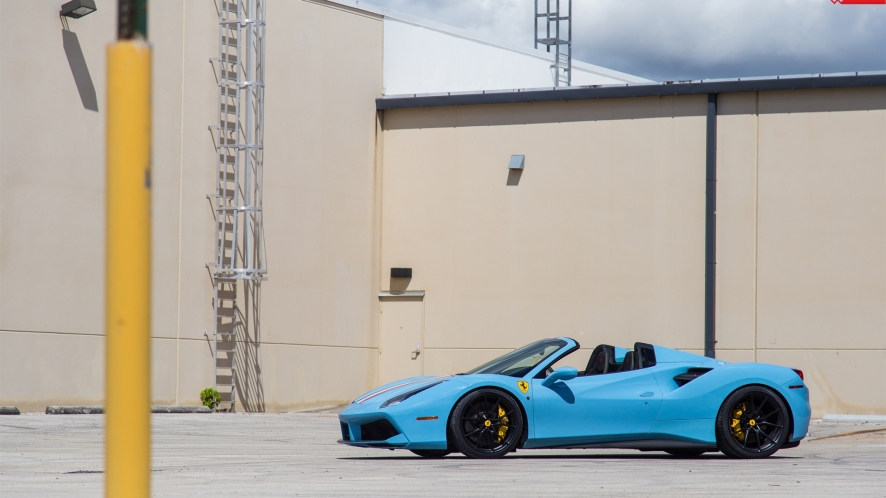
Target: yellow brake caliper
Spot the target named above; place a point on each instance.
(736, 423)
(503, 428)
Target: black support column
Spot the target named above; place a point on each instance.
(710, 251)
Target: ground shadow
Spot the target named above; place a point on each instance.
(77, 62)
(250, 385)
(596, 456)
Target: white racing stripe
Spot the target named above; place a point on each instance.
(360, 400)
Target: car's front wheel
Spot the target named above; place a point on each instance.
(752, 423)
(486, 423)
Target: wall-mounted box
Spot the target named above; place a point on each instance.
(401, 272)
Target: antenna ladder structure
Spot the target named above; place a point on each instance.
(557, 36)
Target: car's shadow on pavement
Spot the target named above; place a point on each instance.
(567, 457)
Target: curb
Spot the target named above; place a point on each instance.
(858, 419)
(848, 433)
(9, 410)
(320, 409)
(74, 410)
(98, 410)
(180, 409)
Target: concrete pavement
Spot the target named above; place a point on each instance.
(295, 455)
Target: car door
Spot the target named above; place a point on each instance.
(596, 408)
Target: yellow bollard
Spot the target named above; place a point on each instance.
(128, 272)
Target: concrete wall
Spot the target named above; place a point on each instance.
(602, 236)
(321, 202)
(602, 239)
(320, 157)
(801, 239)
(52, 205)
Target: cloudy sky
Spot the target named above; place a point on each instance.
(690, 39)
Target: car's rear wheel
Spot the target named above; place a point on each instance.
(681, 453)
(752, 423)
(486, 423)
(431, 453)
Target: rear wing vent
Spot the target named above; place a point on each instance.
(692, 374)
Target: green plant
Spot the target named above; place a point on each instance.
(210, 397)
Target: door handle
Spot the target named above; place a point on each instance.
(647, 394)
(415, 354)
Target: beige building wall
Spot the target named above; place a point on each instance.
(52, 208)
(320, 210)
(603, 237)
(802, 239)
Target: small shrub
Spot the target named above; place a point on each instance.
(210, 397)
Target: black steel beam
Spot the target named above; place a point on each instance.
(710, 232)
(651, 90)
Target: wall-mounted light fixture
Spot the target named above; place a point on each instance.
(516, 162)
(76, 9)
(401, 272)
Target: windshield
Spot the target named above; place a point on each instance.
(518, 363)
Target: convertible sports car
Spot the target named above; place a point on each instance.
(650, 399)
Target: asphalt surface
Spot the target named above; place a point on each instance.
(295, 454)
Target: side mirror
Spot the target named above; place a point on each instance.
(562, 373)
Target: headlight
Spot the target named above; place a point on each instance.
(403, 397)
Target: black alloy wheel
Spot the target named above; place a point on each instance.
(752, 423)
(486, 423)
(431, 453)
(684, 453)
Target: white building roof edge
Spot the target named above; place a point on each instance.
(488, 40)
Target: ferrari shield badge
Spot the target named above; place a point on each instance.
(523, 385)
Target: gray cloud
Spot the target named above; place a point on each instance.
(690, 39)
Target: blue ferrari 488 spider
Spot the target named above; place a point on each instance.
(650, 399)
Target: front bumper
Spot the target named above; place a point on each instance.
(404, 431)
(417, 423)
(399, 441)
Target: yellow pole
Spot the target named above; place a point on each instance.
(128, 271)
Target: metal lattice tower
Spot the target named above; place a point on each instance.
(557, 36)
(239, 240)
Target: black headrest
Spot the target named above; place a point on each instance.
(600, 359)
(644, 355)
(628, 363)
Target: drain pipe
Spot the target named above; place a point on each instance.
(710, 251)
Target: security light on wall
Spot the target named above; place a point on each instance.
(76, 9)
(516, 162)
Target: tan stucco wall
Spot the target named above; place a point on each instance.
(603, 238)
(51, 208)
(801, 239)
(320, 160)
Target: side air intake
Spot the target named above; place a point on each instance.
(689, 376)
